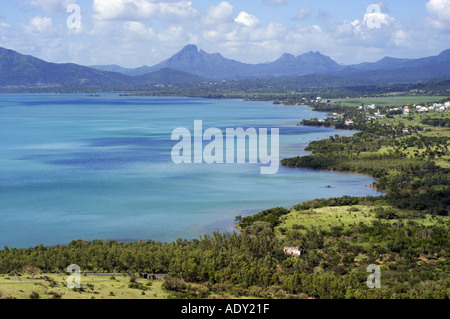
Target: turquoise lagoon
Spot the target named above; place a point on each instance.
(79, 167)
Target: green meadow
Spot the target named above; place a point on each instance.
(389, 100)
(345, 217)
(54, 286)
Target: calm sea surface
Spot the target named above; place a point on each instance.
(79, 167)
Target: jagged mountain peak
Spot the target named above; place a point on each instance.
(311, 53)
(190, 48)
(197, 62)
(286, 57)
(314, 55)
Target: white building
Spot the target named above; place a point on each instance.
(295, 251)
(421, 109)
(349, 122)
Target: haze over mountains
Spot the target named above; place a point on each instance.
(18, 70)
(191, 65)
(214, 66)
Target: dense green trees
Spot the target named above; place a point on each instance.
(411, 179)
(413, 258)
(438, 122)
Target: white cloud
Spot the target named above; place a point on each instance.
(439, 7)
(273, 32)
(402, 38)
(173, 34)
(247, 19)
(139, 29)
(222, 13)
(52, 5)
(178, 10)
(124, 9)
(135, 10)
(39, 24)
(439, 11)
(377, 19)
(136, 32)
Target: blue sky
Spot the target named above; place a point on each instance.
(133, 33)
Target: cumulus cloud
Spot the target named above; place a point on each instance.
(174, 34)
(124, 9)
(439, 14)
(178, 10)
(373, 26)
(439, 7)
(39, 24)
(52, 5)
(222, 13)
(135, 10)
(402, 38)
(247, 19)
(139, 29)
(375, 20)
(136, 32)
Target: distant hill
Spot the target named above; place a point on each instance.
(214, 66)
(308, 63)
(24, 70)
(393, 70)
(18, 70)
(126, 71)
(191, 65)
(168, 76)
(317, 81)
(387, 70)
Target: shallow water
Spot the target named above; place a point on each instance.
(77, 167)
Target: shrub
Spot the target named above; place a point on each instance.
(34, 295)
(174, 284)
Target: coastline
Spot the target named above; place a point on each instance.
(290, 124)
(347, 233)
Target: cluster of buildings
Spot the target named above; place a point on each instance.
(378, 114)
(320, 100)
(435, 107)
(420, 109)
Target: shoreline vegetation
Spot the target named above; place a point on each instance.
(405, 232)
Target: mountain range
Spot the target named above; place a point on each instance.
(191, 65)
(214, 66)
(18, 70)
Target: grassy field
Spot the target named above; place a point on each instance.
(54, 286)
(390, 100)
(414, 119)
(342, 216)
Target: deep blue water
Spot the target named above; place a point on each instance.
(77, 167)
